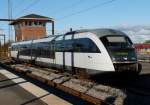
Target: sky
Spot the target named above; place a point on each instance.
(129, 16)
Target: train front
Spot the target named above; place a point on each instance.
(122, 53)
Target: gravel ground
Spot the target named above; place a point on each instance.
(61, 80)
(124, 90)
(114, 89)
(135, 99)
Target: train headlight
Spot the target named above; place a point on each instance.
(133, 58)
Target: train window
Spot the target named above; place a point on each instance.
(116, 39)
(116, 42)
(43, 49)
(68, 45)
(59, 46)
(30, 23)
(52, 49)
(77, 45)
(15, 48)
(35, 23)
(34, 50)
(85, 45)
(12, 48)
(64, 46)
(25, 49)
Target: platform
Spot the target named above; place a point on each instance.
(15, 90)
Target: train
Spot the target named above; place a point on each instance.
(85, 51)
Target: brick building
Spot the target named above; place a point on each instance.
(31, 26)
(142, 48)
(143, 51)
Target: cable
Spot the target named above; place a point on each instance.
(67, 7)
(28, 7)
(18, 5)
(9, 17)
(87, 9)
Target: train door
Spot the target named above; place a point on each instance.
(59, 54)
(31, 48)
(18, 51)
(69, 53)
(64, 55)
(52, 52)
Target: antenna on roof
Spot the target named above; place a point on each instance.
(70, 29)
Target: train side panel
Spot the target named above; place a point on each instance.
(94, 61)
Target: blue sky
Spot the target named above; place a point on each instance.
(119, 13)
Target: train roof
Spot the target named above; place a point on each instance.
(46, 39)
(100, 32)
(22, 42)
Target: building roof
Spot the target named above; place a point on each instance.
(33, 17)
(141, 46)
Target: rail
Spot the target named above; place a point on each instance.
(96, 93)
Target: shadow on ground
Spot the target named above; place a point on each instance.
(136, 88)
(70, 98)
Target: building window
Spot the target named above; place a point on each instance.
(43, 24)
(30, 23)
(40, 24)
(23, 23)
(35, 23)
(26, 23)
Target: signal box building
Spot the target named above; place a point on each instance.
(31, 27)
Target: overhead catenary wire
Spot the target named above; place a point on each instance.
(9, 17)
(18, 5)
(74, 4)
(28, 7)
(87, 9)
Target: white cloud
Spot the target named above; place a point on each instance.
(138, 34)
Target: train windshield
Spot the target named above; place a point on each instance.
(119, 48)
(116, 42)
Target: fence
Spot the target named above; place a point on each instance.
(144, 57)
(4, 51)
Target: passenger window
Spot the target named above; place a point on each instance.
(85, 45)
(77, 45)
(58, 46)
(68, 46)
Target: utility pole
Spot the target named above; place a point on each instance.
(0, 49)
(9, 17)
(53, 27)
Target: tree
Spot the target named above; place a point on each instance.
(147, 41)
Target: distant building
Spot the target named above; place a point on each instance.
(31, 26)
(142, 48)
(143, 51)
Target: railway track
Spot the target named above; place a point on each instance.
(108, 92)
